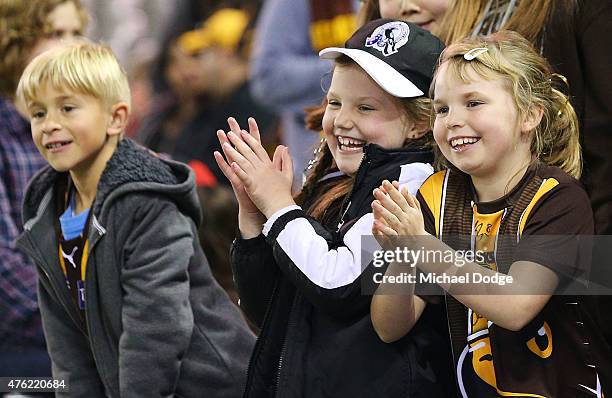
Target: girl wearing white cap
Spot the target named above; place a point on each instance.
(299, 269)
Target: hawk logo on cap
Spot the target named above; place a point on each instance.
(388, 38)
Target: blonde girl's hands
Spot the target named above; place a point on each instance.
(266, 182)
(250, 219)
(381, 231)
(399, 213)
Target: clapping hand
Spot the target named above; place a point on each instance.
(396, 213)
(267, 183)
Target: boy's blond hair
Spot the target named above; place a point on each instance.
(85, 68)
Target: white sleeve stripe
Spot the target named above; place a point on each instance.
(268, 225)
(413, 175)
(324, 267)
(342, 266)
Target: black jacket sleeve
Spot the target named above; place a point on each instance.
(255, 275)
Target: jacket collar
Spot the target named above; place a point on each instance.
(131, 167)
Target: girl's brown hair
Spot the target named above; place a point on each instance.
(531, 83)
(368, 11)
(416, 110)
(462, 17)
(22, 24)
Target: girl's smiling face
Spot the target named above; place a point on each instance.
(358, 112)
(477, 126)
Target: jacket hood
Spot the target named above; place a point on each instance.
(132, 168)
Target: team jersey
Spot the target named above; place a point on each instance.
(555, 355)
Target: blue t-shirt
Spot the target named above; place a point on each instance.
(73, 224)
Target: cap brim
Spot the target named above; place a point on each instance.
(383, 74)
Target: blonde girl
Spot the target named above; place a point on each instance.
(511, 142)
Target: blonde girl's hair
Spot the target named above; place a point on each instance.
(85, 68)
(529, 79)
(462, 17)
(415, 110)
(22, 24)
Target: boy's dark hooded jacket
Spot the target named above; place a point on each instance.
(157, 323)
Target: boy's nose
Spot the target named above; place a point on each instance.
(49, 126)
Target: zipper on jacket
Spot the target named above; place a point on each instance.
(359, 175)
(284, 345)
(260, 338)
(280, 361)
(61, 295)
(88, 278)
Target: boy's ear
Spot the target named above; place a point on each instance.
(119, 113)
(532, 118)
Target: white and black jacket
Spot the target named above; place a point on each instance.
(301, 283)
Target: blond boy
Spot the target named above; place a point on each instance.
(128, 303)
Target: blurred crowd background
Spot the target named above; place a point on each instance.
(194, 63)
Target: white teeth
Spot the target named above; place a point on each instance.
(461, 141)
(56, 144)
(350, 144)
(349, 141)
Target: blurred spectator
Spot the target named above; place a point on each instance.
(286, 70)
(138, 32)
(26, 29)
(205, 80)
(206, 77)
(132, 28)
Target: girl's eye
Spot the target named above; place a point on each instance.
(333, 102)
(365, 108)
(441, 110)
(67, 108)
(472, 104)
(38, 115)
